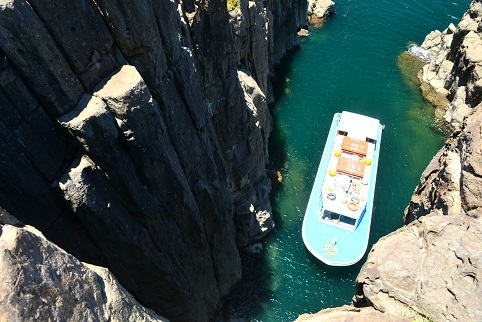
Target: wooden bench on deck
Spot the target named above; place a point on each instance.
(351, 166)
(354, 146)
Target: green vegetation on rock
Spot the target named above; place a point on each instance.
(233, 5)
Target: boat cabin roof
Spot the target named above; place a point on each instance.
(358, 126)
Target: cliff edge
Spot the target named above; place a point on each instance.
(443, 216)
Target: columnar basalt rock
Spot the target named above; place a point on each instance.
(135, 136)
(148, 192)
(284, 17)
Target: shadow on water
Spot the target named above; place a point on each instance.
(251, 296)
(277, 141)
(277, 146)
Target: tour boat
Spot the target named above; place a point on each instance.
(337, 221)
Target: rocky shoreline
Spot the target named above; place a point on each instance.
(451, 79)
(430, 269)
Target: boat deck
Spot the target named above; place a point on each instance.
(326, 240)
(346, 252)
(345, 187)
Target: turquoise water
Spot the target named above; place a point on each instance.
(348, 64)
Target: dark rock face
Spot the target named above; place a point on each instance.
(135, 136)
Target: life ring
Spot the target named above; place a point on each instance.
(331, 196)
(330, 249)
(355, 200)
(352, 206)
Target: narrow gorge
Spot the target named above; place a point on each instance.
(133, 152)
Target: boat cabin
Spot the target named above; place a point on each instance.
(344, 194)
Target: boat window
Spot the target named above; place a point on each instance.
(328, 215)
(337, 218)
(344, 133)
(347, 221)
(371, 141)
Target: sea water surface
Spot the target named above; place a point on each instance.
(350, 63)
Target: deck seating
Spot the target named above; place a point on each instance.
(350, 166)
(354, 146)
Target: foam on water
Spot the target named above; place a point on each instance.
(423, 54)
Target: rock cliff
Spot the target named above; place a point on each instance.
(428, 270)
(37, 273)
(452, 78)
(134, 136)
(451, 183)
(319, 9)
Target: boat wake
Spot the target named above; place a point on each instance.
(420, 53)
